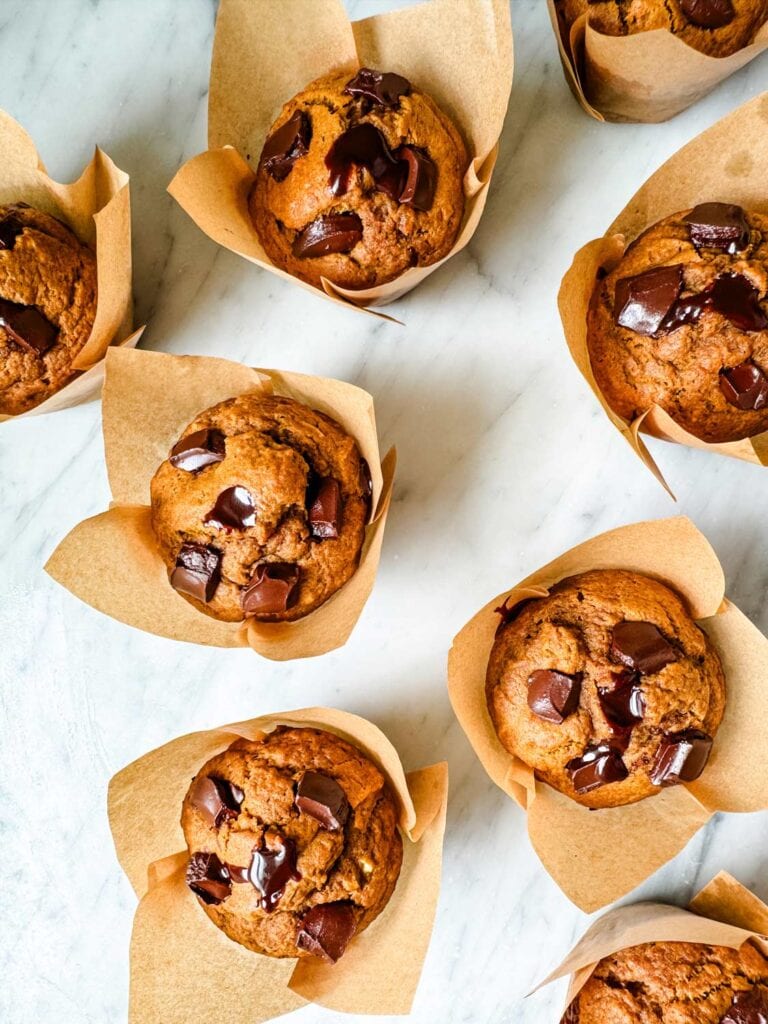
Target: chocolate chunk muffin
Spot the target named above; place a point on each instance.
(607, 688)
(47, 305)
(361, 177)
(716, 27)
(680, 982)
(293, 841)
(260, 509)
(682, 322)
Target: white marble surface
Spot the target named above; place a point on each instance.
(505, 460)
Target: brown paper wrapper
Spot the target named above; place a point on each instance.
(97, 208)
(264, 53)
(178, 956)
(598, 856)
(713, 167)
(112, 561)
(646, 77)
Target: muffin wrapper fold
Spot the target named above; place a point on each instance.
(265, 53)
(97, 208)
(598, 856)
(112, 560)
(727, 163)
(724, 913)
(184, 968)
(646, 77)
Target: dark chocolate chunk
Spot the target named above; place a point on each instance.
(198, 450)
(27, 326)
(642, 647)
(333, 233)
(325, 509)
(10, 229)
(598, 766)
(739, 301)
(384, 88)
(623, 704)
(718, 226)
(237, 874)
(420, 180)
(363, 145)
(272, 590)
(681, 757)
(745, 386)
(284, 147)
(208, 878)
(552, 695)
(234, 510)
(217, 799)
(642, 302)
(272, 868)
(685, 310)
(326, 930)
(323, 799)
(197, 571)
(708, 13)
(750, 1007)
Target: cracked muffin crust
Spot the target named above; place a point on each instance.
(47, 305)
(682, 322)
(260, 509)
(361, 177)
(675, 982)
(293, 840)
(607, 688)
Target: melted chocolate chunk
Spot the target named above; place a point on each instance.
(749, 1007)
(384, 88)
(718, 226)
(197, 571)
(284, 147)
(237, 874)
(10, 229)
(323, 799)
(334, 233)
(27, 327)
(218, 800)
(598, 766)
(708, 13)
(552, 695)
(326, 930)
(198, 450)
(623, 704)
(681, 757)
(234, 510)
(272, 868)
(685, 310)
(363, 145)
(273, 589)
(420, 179)
(739, 301)
(325, 509)
(745, 386)
(642, 302)
(641, 647)
(509, 612)
(208, 878)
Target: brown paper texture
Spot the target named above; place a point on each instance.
(97, 208)
(645, 77)
(264, 53)
(178, 956)
(598, 856)
(713, 167)
(112, 562)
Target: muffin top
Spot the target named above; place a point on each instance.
(293, 840)
(260, 509)
(47, 305)
(361, 177)
(607, 688)
(682, 322)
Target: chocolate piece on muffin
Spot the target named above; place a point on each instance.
(682, 982)
(294, 843)
(360, 179)
(260, 509)
(47, 305)
(607, 688)
(682, 322)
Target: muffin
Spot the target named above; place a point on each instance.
(47, 305)
(293, 842)
(681, 322)
(680, 982)
(607, 688)
(716, 27)
(260, 509)
(361, 177)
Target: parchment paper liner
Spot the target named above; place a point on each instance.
(264, 53)
(97, 208)
(597, 856)
(727, 163)
(646, 77)
(178, 957)
(724, 913)
(112, 562)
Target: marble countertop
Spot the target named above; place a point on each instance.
(505, 461)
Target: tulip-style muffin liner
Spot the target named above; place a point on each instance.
(598, 856)
(97, 209)
(727, 163)
(264, 53)
(184, 968)
(112, 560)
(724, 913)
(647, 76)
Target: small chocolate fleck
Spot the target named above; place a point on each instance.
(234, 510)
(384, 88)
(681, 757)
(325, 509)
(208, 878)
(641, 646)
(718, 226)
(272, 868)
(27, 327)
(420, 179)
(598, 766)
(624, 703)
(197, 571)
(198, 450)
(217, 799)
(642, 302)
(553, 695)
(745, 386)
(750, 1007)
(323, 799)
(333, 233)
(273, 589)
(708, 13)
(284, 146)
(10, 229)
(325, 930)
